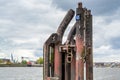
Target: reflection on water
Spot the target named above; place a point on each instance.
(35, 73)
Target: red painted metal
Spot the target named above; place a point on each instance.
(79, 52)
(57, 63)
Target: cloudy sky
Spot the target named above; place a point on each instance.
(26, 24)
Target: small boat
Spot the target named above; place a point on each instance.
(29, 64)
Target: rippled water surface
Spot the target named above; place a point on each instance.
(35, 73)
(21, 73)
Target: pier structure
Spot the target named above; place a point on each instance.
(67, 61)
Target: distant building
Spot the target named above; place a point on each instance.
(107, 64)
(12, 58)
(5, 61)
(100, 64)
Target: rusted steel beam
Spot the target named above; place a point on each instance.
(69, 73)
(60, 32)
(71, 35)
(79, 43)
(45, 65)
(62, 27)
(56, 40)
(80, 18)
(79, 52)
(57, 63)
(89, 48)
(53, 39)
(66, 61)
(68, 52)
(71, 41)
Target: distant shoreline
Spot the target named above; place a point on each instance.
(19, 65)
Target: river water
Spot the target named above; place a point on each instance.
(35, 73)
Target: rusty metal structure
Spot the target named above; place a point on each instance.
(74, 58)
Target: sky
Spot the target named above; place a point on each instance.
(26, 24)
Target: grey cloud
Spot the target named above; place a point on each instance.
(38, 52)
(6, 44)
(20, 14)
(30, 46)
(24, 23)
(101, 55)
(25, 20)
(101, 7)
(19, 21)
(115, 42)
